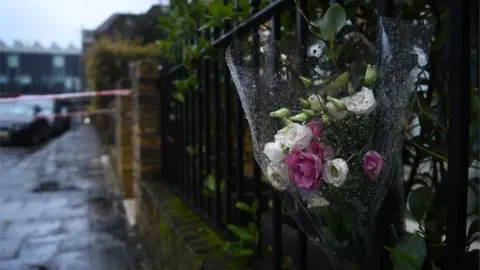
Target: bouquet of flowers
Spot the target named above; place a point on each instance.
(330, 141)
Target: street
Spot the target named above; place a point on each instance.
(55, 211)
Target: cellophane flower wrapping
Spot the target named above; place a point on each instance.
(327, 131)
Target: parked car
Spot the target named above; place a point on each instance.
(62, 120)
(24, 123)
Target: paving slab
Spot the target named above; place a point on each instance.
(54, 210)
(10, 247)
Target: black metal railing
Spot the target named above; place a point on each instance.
(203, 138)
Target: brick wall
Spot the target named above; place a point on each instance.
(124, 148)
(174, 237)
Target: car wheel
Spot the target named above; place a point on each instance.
(68, 125)
(35, 138)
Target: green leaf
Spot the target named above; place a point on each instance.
(210, 182)
(207, 192)
(243, 206)
(242, 233)
(329, 53)
(254, 207)
(178, 96)
(191, 81)
(245, 253)
(227, 245)
(252, 227)
(409, 253)
(402, 260)
(181, 85)
(218, 10)
(339, 50)
(350, 8)
(418, 201)
(474, 228)
(210, 24)
(338, 83)
(333, 21)
(203, 43)
(190, 150)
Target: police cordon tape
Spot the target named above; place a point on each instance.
(57, 115)
(115, 92)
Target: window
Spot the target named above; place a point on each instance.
(13, 61)
(68, 83)
(58, 61)
(3, 79)
(24, 79)
(78, 83)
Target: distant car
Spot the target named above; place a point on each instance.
(24, 123)
(62, 119)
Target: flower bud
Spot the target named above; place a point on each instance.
(316, 103)
(301, 117)
(338, 103)
(309, 112)
(325, 119)
(370, 75)
(340, 82)
(304, 103)
(351, 90)
(287, 122)
(280, 113)
(284, 130)
(306, 82)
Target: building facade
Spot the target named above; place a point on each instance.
(33, 69)
(87, 42)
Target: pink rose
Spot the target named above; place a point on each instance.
(316, 148)
(304, 169)
(372, 164)
(321, 150)
(316, 127)
(329, 153)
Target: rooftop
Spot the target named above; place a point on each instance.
(22, 47)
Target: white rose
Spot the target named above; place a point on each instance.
(277, 174)
(298, 137)
(279, 137)
(362, 103)
(337, 113)
(336, 172)
(316, 102)
(274, 152)
(317, 201)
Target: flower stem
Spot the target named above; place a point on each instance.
(352, 156)
(428, 151)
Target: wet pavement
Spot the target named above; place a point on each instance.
(55, 211)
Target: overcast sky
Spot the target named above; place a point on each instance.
(59, 21)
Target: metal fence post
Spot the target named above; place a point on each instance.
(458, 133)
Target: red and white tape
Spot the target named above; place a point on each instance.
(115, 92)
